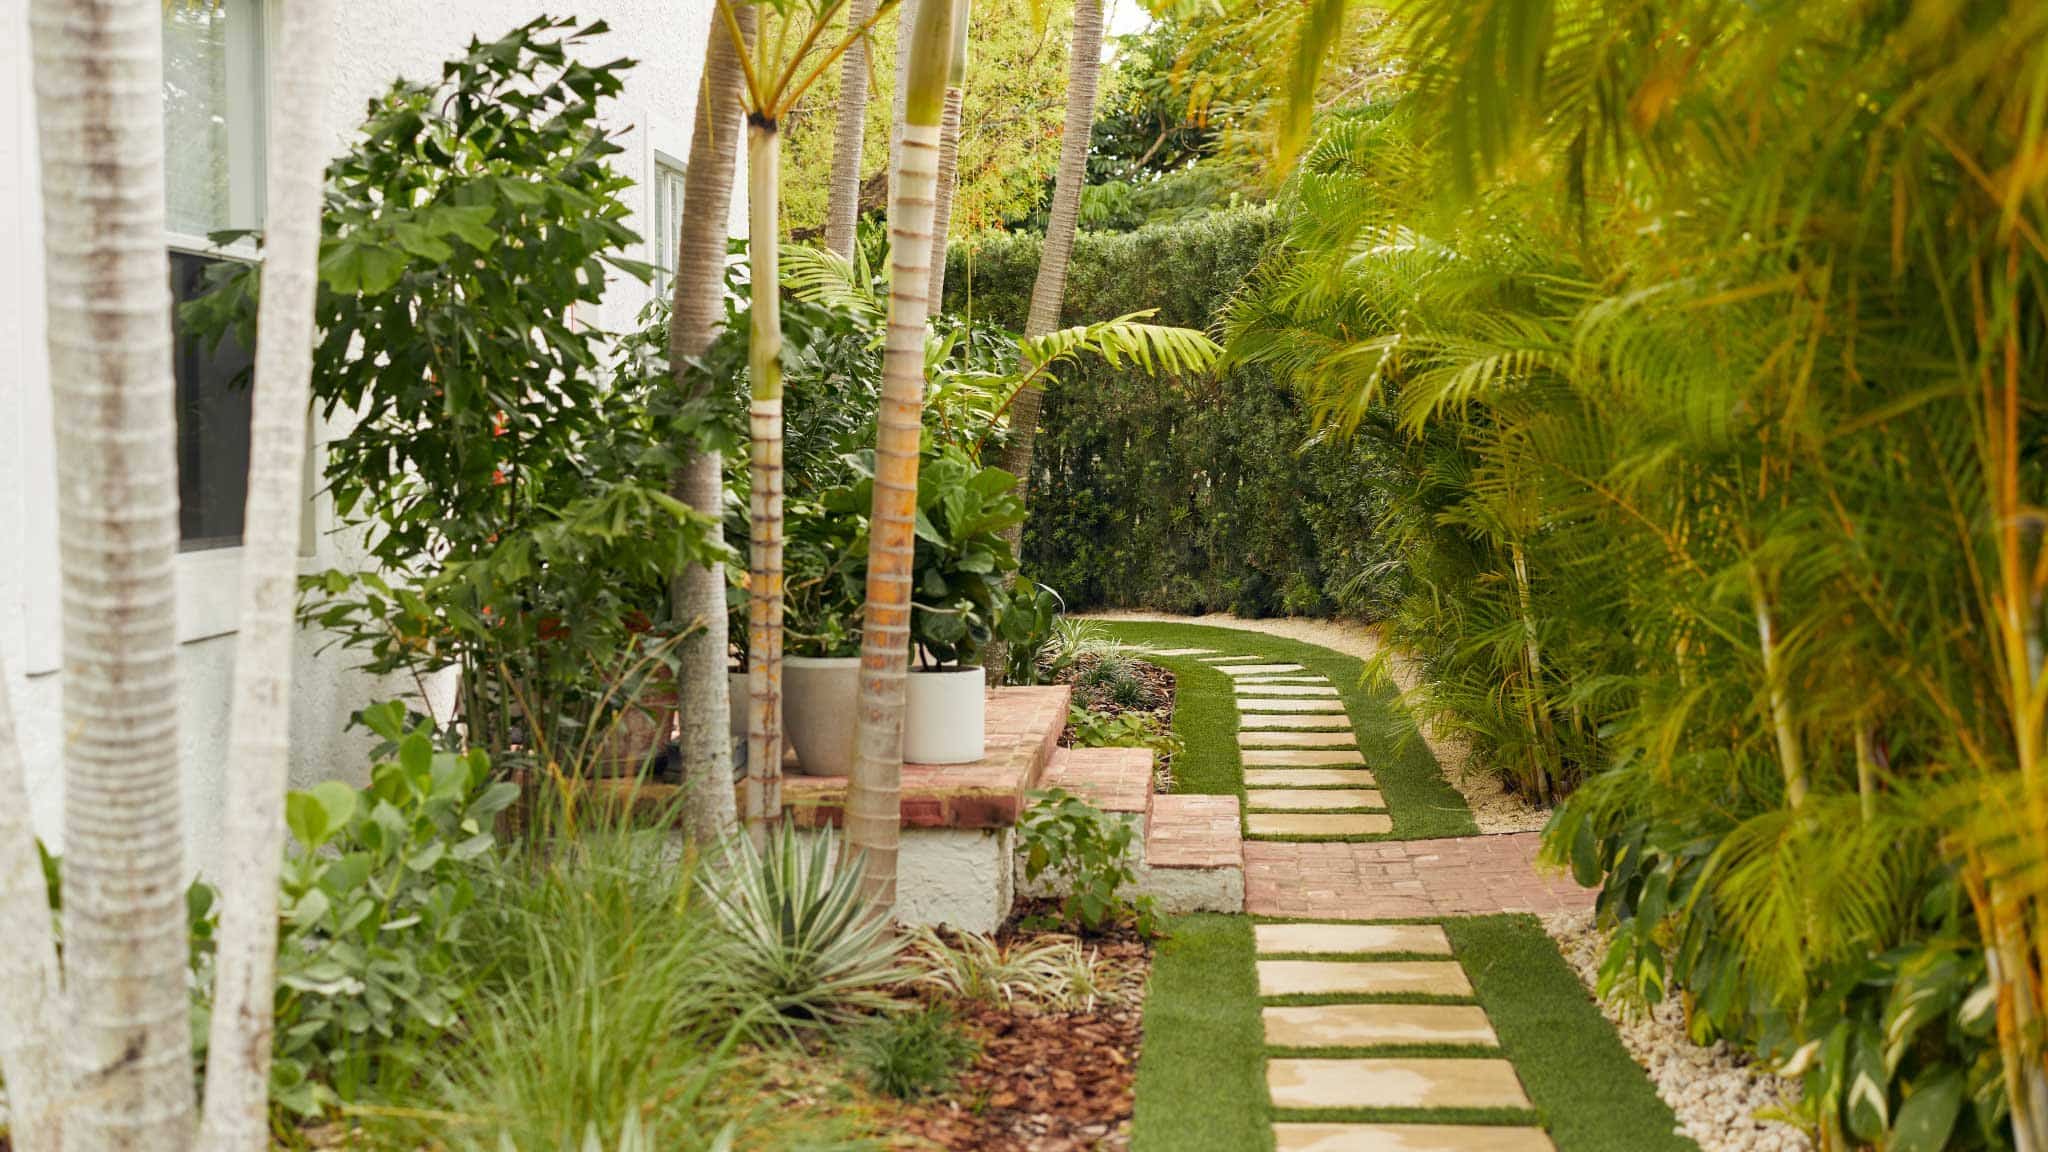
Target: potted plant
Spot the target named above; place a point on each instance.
(825, 559)
(963, 563)
(824, 563)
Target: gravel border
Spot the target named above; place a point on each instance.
(1494, 809)
(1716, 1092)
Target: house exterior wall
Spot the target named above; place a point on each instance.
(376, 41)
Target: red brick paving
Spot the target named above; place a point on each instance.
(1112, 779)
(1400, 879)
(1195, 832)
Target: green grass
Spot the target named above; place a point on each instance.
(1201, 1084)
(1589, 1092)
(1202, 1072)
(1422, 803)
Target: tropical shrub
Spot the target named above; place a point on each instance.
(1087, 855)
(805, 942)
(510, 486)
(1697, 414)
(1191, 493)
(376, 897)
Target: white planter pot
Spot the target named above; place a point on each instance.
(946, 719)
(736, 703)
(820, 698)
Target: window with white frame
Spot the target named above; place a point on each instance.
(213, 182)
(667, 234)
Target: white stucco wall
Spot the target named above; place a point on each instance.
(376, 41)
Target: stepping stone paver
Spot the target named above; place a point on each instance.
(1296, 740)
(1373, 1025)
(1307, 777)
(1284, 678)
(1259, 689)
(1362, 978)
(1312, 799)
(1407, 1138)
(1256, 720)
(1301, 758)
(1426, 939)
(1426, 1083)
(1230, 659)
(1323, 704)
(1318, 824)
(1260, 669)
(1179, 651)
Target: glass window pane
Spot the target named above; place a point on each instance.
(213, 425)
(196, 131)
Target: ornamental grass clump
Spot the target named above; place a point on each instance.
(804, 943)
(605, 1014)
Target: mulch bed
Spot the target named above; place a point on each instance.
(1045, 1081)
(1159, 688)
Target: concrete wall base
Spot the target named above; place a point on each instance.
(959, 877)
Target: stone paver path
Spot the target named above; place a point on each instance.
(1324, 1054)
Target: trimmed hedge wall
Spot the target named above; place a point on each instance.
(1190, 495)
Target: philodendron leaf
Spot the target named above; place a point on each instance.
(1929, 1114)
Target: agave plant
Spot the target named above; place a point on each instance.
(805, 941)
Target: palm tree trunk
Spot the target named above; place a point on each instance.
(1049, 291)
(949, 152)
(236, 1117)
(28, 957)
(849, 132)
(1791, 756)
(126, 1043)
(698, 306)
(764, 414)
(906, 23)
(873, 803)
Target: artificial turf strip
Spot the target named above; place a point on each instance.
(1202, 1071)
(1591, 1095)
(1422, 803)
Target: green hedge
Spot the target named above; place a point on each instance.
(1185, 495)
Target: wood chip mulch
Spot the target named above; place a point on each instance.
(1160, 686)
(1045, 1081)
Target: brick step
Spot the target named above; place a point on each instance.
(1116, 780)
(1194, 854)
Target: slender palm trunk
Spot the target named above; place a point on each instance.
(949, 152)
(698, 594)
(873, 806)
(906, 23)
(764, 412)
(236, 1117)
(849, 132)
(1791, 756)
(1049, 291)
(28, 958)
(126, 1044)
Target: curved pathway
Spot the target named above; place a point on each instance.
(1368, 1023)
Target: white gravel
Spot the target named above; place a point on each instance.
(1494, 809)
(1716, 1092)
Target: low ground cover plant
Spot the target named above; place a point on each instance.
(917, 1053)
(1088, 856)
